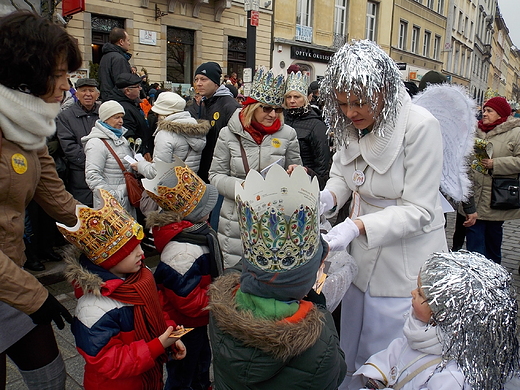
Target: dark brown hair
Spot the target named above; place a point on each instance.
(116, 34)
(31, 49)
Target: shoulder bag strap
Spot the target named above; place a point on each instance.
(114, 154)
(412, 375)
(243, 154)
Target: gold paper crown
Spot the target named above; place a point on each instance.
(175, 187)
(297, 82)
(101, 233)
(267, 87)
(278, 218)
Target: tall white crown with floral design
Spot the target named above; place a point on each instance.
(267, 87)
(279, 218)
(297, 82)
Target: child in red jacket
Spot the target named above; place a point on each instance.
(119, 326)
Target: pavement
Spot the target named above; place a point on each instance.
(52, 278)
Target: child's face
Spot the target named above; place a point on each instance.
(130, 264)
(420, 306)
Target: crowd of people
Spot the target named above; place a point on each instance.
(234, 190)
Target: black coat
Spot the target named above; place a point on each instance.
(314, 144)
(113, 63)
(72, 124)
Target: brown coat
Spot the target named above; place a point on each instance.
(26, 175)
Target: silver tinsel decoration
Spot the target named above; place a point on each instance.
(363, 69)
(474, 307)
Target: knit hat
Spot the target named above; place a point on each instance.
(127, 79)
(177, 188)
(211, 70)
(86, 82)
(168, 103)
(431, 77)
(110, 108)
(500, 105)
(294, 68)
(106, 235)
(279, 230)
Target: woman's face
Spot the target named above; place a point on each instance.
(266, 114)
(294, 99)
(59, 84)
(489, 116)
(115, 121)
(357, 110)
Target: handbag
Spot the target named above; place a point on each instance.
(505, 194)
(134, 188)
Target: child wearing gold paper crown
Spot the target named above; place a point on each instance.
(190, 260)
(119, 326)
(460, 333)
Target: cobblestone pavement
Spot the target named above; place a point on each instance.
(74, 362)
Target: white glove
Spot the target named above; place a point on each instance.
(326, 201)
(341, 235)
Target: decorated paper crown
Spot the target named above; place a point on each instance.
(267, 87)
(175, 187)
(107, 235)
(297, 82)
(279, 219)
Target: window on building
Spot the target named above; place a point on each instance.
(236, 56)
(101, 26)
(440, 7)
(437, 47)
(460, 26)
(371, 20)
(179, 56)
(415, 39)
(466, 27)
(403, 30)
(426, 44)
(304, 12)
(340, 17)
(429, 3)
(462, 69)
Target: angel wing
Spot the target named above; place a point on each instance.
(456, 113)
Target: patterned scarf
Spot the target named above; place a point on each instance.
(139, 289)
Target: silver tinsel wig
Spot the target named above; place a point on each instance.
(474, 307)
(362, 69)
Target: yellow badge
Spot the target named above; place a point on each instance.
(216, 115)
(275, 143)
(212, 123)
(19, 163)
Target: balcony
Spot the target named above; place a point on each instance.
(338, 40)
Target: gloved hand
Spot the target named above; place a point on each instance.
(51, 310)
(326, 201)
(341, 235)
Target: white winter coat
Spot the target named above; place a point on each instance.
(181, 135)
(227, 168)
(404, 170)
(102, 169)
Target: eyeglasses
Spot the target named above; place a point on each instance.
(268, 109)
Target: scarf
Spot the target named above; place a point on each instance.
(259, 131)
(422, 337)
(25, 119)
(139, 289)
(162, 235)
(117, 132)
(491, 126)
(299, 111)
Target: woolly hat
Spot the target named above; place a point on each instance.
(500, 105)
(294, 68)
(106, 235)
(110, 108)
(431, 77)
(168, 103)
(211, 70)
(127, 79)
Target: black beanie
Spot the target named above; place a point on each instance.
(211, 70)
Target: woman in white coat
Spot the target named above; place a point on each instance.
(389, 160)
(101, 168)
(254, 138)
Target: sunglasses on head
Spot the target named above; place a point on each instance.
(268, 109)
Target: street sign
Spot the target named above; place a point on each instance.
(255, 16)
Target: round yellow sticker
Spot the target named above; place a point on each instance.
(19, 163)
(212, 123)
(216, 115)
(275, 143)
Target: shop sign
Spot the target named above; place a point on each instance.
(303, 33)
(309, 54)
(147, 37)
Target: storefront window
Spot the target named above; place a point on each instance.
(179, 57)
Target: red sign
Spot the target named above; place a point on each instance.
(71, 7)
(255, 16)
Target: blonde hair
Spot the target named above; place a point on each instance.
(305, 98)
(249, 111)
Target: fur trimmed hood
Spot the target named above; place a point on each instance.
(198, 129)
(162, 218)
(279, 339)
(508, 125)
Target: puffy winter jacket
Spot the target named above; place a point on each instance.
(227, 168)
